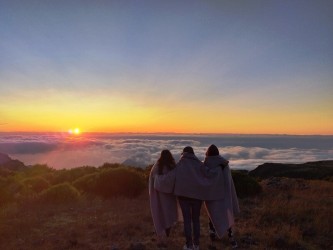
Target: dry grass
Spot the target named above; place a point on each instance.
(289, 214)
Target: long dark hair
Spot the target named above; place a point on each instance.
(166, 160)
(212, 151)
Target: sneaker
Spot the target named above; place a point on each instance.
(196, 247)
(233, 243)
(187, 248)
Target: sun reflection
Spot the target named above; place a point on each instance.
(75, 131)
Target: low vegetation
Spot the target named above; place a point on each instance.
(246, 185)
(40, 182)
(112, 182)
(59, 194)
(319, 170)
(108, 208)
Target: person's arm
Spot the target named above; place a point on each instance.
(224, 163)
(209, 172)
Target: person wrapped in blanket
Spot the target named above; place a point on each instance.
(163, 203)
(221, 212)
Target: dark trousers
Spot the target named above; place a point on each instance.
(191, 214)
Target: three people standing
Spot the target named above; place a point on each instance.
(190, 183)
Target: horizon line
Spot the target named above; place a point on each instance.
(166, 133)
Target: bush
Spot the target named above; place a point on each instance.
(120, 182)
(113, 182)
(4, 195)
(245, 185)
(60, 193)
(87, 183)
(36, 184)
(71, 175)
(15, 187)
(10, 190)
(107, 165)
(5, 172)
(37, 170)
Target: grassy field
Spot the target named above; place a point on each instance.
(288, 214)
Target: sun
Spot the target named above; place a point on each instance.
(75, 131)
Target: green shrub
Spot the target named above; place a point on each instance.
(87, 183)
(37, 170)
(245, 185)
(70, 175)
(119, 182)
(50, 177)
(60, 193)
(36, 184)
(10, 190)
(4, 195)
(5, 172)
(107, 165)
(15, 187)
(112, 182)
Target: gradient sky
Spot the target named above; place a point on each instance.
(167, 66)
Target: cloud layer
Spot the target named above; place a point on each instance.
(244, 152)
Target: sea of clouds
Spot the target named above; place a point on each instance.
(59, 150)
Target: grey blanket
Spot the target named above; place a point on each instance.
(193, 181)
(163, 205)
(222, 211)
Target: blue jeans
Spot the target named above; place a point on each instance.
(191, 214)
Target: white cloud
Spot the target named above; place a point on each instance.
(247, 152)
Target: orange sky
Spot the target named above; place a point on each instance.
(115, 114)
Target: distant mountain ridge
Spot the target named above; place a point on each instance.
(4, 158)
(308, 170)
(8, 164)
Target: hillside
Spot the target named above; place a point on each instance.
(8, 165)
(279, 221)
(308, 170)
(107, 208)
(4, 158)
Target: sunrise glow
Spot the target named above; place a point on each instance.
(149, 67)
(75, 131)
